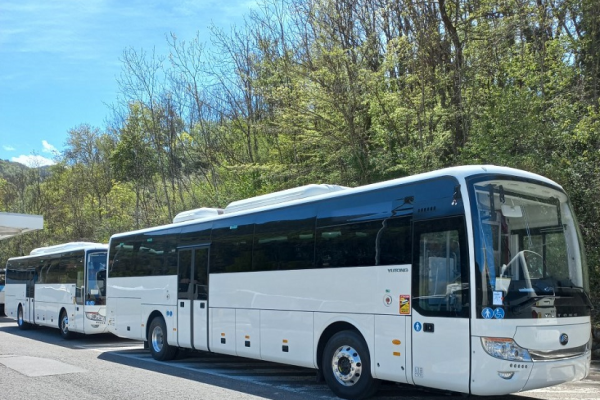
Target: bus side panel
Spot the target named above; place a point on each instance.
(222, 330)
(247, 331)
(49, 300)
(133, 299)
(349, 290)
(390, 348)
(129, 323)
(14, 295)
(287, 337)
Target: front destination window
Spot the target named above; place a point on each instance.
(529, 263)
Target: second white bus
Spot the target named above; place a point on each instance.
(62, 286)
(469, 279)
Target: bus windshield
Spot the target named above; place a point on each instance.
(529, 259)
(96, 274)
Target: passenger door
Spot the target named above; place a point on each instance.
(440, 316)
(29, 313)
(192, 297)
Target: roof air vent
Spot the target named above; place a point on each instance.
(198, 213)
(283, 196)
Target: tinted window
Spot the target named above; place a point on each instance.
(123, 256)
(369, 206)
(51, 274)
(71, 267)
(144, 255)
(15, 272)
(232, 247)
(381, 242)
(351, 245)
(158, 254)
(193, 235)
(394, 244)
(288, 243)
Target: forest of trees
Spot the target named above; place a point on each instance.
(344, 92)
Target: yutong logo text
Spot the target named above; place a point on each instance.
(397, 269)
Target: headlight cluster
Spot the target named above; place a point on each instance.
(94, 316)
(504, 349)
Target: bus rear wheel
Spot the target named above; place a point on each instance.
(157, 340)
(347, 366)
(20, 321)
(63, 325)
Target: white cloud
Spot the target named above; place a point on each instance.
(48, 148)
(33, 161)
(8, 148)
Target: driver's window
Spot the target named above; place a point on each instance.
(440, 282)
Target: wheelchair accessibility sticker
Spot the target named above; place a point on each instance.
(488, 313)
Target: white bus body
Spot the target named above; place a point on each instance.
(421, 280)
(60, 286)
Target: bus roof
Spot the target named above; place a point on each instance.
(60, 248)
(460, 173)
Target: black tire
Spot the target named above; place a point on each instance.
(157, 341)
(346, 366)
(2, 314)
(20, 321)
(63, 326)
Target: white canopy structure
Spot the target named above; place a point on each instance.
(15, 224)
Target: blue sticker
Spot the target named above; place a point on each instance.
(499, 313)
(487, 313)
(418, 326)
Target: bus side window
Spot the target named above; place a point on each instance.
(440, 280)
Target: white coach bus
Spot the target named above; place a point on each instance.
(469, 279)
(62, 286)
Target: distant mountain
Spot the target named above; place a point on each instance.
(10, 170)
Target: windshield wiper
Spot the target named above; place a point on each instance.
(581, 290)
(518, 307)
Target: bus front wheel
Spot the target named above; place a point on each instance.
(157, 340)
(64, 326)
(347, 366)
(20, 321)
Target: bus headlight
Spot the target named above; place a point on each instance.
(504, 349)
(94, 316)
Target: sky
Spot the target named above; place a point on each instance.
(59, 61)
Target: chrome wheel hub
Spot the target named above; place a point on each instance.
(158, 338)
(64, 324)
(346, 365)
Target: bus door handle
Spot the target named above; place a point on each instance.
(181, 304)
